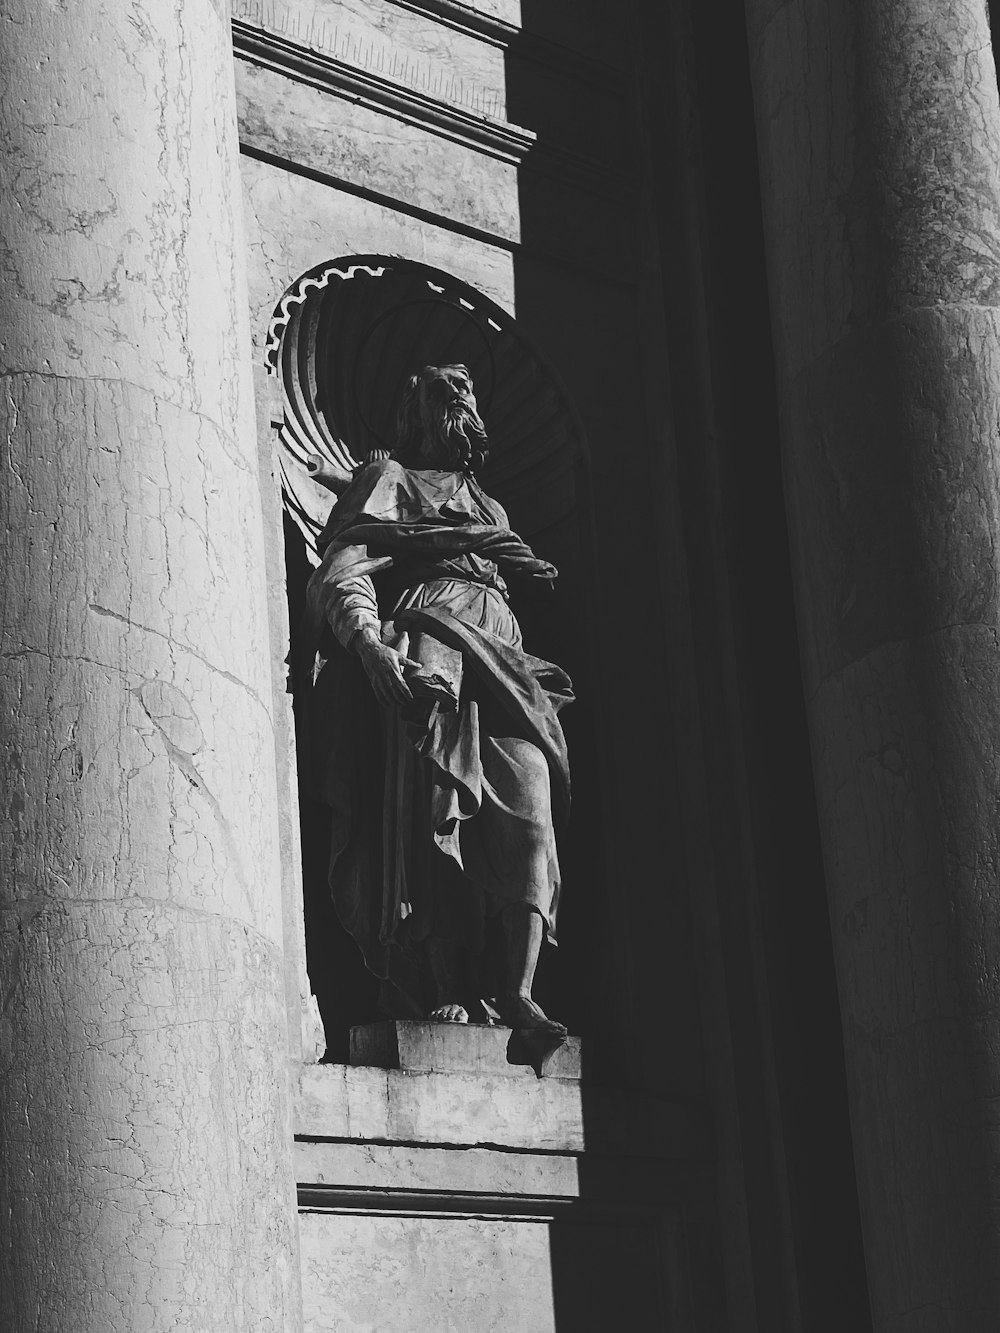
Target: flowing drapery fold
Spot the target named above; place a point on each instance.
(444, 810)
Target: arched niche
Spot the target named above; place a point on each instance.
(343, 340)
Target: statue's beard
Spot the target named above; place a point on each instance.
(455, 437)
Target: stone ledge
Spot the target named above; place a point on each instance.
(405, 1167)
(553, 1115)
(396, 1168)
(488, 133)
(464, 1048)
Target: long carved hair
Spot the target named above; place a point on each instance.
(432, 424)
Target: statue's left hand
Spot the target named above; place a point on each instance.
(384, 668)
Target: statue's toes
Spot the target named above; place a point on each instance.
(520, 1012)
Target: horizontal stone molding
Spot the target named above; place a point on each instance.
(486, 134)
(356, 1104)
(483, 1183)
(483, 1207)
(492, 28)
(490, 1231)
(600, 271)
(498, 138)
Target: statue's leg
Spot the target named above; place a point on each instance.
(523, 930)
(443, 956)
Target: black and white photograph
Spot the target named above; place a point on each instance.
(499, 666)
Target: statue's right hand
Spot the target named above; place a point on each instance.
(384, 667)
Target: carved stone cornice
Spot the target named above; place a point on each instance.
(487, 134)
(463, 18)
(498, 138)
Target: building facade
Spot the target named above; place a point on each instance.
(726, 278)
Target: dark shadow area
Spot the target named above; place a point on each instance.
(993, 10)
(625, 925)
(616, 1264)
(570, 79)
(643, 188)
(345, 990)
(803, 1213)
(646, 1260)
(802, 1013)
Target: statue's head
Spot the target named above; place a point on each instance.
(438, 424)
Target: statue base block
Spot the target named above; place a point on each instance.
(465, 1048)
(422, 1192)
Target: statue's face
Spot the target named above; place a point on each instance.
(441, 391)
(449, 416)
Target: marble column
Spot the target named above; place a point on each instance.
(145, 1177)
(879, 133)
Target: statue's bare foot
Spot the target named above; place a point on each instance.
(448, 1013)
(520, 1011)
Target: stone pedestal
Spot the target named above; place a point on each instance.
(879, 128)
(489, 1201)
(465, 1048)
(145, 1162)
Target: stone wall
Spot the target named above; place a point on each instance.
(541, 219)
(466, 141)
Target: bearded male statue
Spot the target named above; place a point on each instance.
(435, 736)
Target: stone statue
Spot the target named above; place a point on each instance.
(435, 737)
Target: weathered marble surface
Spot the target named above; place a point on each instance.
(144, 1153)
(560, 213)
(294, 223)
(472, 1048)
(395, 43)
(492, 1171)
(450, 1235)
(412, 1167)
(403, 1106)
(888, 112)
(490, 1276)
(342, 1101)
(483, 1237)
(385, 1273)
(879, 128)
(363, 146)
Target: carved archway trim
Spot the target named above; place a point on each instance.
(344, 339)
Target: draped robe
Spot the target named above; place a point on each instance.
(443, 810)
